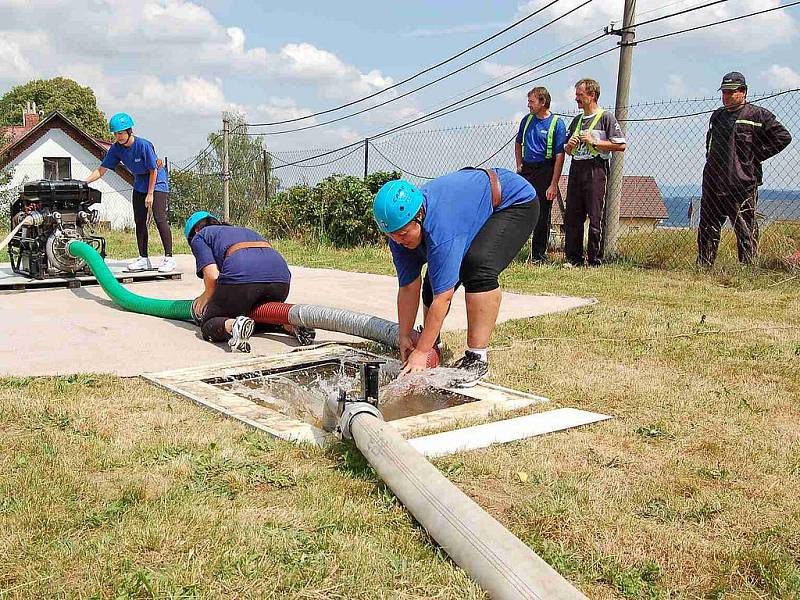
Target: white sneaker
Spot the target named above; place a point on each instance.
(167, 265)
(140, 264)
(240, 334)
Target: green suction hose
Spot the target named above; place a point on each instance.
(168, 309)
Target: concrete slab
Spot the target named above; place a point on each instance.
(11, 281)
(63, 331)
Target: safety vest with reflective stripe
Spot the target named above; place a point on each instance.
(551, 130)
(592, 150)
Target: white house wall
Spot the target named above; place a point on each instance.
(115, 208)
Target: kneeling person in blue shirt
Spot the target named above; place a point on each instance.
(467, 226)
(240, 270)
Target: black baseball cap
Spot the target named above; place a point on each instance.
(733, 81)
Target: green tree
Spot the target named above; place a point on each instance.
(198, 186)
(75, 102)
(6, 175)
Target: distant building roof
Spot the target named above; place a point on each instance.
(641, 199)
(25, 136)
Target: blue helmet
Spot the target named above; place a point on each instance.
(396, 204)
(120, 122)
(194, 219)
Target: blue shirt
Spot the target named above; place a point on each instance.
(535, 148)
(456, 207)
(248, 265)
(139, 159)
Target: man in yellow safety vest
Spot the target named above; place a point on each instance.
(593, 135)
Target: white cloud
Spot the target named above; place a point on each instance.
(497, 70)
(782, 77)
(676, 87)
(183, 96)
(14, 64)
(281, 109)
(308, 64)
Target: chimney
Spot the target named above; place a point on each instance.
(30, 118)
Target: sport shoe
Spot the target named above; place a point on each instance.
(474, 368)
(140, 264)
(240, 334)
(304, 335)
(167, 265)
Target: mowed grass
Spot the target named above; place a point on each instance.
(113, 488)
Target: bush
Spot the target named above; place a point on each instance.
(337, 211)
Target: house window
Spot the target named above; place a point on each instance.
(57, 168)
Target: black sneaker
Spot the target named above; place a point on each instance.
(304, 335)
(474, 368)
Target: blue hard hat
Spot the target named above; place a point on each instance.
(120, 122)
(194, 219)
(396, 204)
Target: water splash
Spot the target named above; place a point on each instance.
(303, 393)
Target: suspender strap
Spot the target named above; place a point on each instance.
(494, 184)
(549, 154)
(524, 133)
(550, 133)
(243, 245)
(592, 150)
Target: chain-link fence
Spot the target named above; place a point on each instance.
(662, 209)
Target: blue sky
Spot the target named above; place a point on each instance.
(175, 65)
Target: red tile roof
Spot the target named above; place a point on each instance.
(641, 199)
(25, 139)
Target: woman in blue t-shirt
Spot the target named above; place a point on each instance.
(150, 188)
(240, 270)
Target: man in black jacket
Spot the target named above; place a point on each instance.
(740, 136)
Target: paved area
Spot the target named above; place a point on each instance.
(62, 331)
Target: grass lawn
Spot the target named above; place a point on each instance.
(112, 488)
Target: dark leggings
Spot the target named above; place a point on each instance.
(160, 214)
(497, 243)
(233, 299)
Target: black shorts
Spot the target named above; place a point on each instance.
(497, 243)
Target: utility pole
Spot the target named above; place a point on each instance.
(226, 199)
(627, 33)
(366, 157)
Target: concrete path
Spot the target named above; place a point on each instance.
(63, 331)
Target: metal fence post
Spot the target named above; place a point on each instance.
(614, 200)
(366, 157)
(266, 179)
(226, 201)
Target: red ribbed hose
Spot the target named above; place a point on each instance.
(271, 313)
(277, 313)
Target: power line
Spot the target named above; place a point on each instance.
(358, 144)
(675, 14)
(341, 118)
(407, 79)
(430, 83)
(705, 112)
(500, 149)
(434, 114)
(398, 167)
(642, 41)
(688, 29)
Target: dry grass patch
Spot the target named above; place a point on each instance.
(116, 489)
